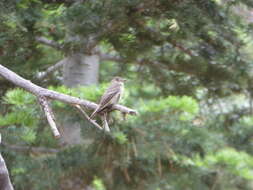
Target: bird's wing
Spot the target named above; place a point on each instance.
(112, 92)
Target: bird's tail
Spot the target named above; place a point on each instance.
(94, 113)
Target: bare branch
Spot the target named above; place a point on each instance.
(50, 116)
(50, 94)
(39, 91)
(79, 108)
(51, 69)
(5, 182)
(48, 42)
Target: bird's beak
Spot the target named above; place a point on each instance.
(124, 80)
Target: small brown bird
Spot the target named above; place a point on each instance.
(111, 96)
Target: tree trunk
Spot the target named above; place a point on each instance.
(80, 70)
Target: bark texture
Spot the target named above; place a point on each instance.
(81, 70)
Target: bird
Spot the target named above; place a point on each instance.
(111, 96)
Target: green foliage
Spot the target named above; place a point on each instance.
(120, 137)
(23, 111)
(157, 141)
(238, 163)
(19, 97)
(98, 184)
(246, 121)
(188, 64)
(28, 135)
(21, 116)
(186, 106)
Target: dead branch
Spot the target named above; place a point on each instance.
(5, 182)
(51, 69)
(48, 42)
(50, 94)
(93, 122)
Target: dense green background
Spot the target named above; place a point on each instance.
(189, 65)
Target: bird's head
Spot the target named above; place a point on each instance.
(118, 79)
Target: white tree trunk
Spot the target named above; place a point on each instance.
(80, 70)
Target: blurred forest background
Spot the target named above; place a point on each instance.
(189, 65)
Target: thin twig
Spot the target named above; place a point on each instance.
(159, 166)
(81, 110)
(48, 42)
(51, 69)
(134, 149)
(125, 171)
